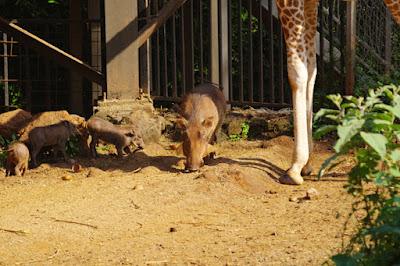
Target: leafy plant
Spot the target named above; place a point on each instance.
(4, 142)
(243, 134)
(72, 146)
(368, 129)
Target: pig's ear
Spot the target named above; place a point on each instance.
(208, 121)
(181, 123)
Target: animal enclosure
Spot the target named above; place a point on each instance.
(251, 63)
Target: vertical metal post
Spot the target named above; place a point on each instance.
(75, 41)
(5, 60)
(224, 48)
(148, 52)
(188, 39)
(388, 41)
(95, 40)
(214, 15)
(350, 45)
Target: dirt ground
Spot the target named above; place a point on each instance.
(143, 210)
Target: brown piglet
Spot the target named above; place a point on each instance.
(55, 135)
(17, 159)
(202, 111)
(110, 133)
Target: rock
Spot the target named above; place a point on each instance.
(66, 177)
(13, 121)
(172, 230)
(293, 199)
(138, 187)
(312, 194)
(150, 125)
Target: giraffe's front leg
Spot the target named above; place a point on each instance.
(298, 77)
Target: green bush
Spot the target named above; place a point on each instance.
(243, 134)
(3, 148)
(368, 130)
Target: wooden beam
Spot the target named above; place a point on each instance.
(50, 51)
(168, 10)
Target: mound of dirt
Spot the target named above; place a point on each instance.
(50, 118)
(11, 122)
(237, 176)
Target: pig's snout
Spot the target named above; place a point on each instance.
(190, 167)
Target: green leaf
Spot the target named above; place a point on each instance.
(323, 112)
(344, 260)
(326, 163)
(322, 131)
(336, 99)
(395, 155)
(346, 131)
(376, 141)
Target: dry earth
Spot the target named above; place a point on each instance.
(143, 210)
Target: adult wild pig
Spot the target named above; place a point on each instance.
(110, 133)
(55, 135)
(17, 159)
(202, 111)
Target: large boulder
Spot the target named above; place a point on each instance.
(149, 124)
(11, 122)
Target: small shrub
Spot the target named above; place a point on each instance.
(243, 134)
(72, 146)
(368, 129)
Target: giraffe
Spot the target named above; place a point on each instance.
(299, 23)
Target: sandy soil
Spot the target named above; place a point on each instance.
(143, 210)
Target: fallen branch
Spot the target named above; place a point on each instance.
(156, 261)
(73, 222)
(18, 232)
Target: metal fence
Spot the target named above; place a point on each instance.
(38, 84)
(178, 55)
(180, 51)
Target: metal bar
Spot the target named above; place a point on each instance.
(214, 41)
(168, 10)
(281, 68)
(351, 25)
(342, 10)
(271, 52)
(148, 52)
(50, 51)
(188, 29)
(251, 72)
(201, 40)
(183, 52)
(261, 54)
(5, 72)
(241, 92)
(174, 66)
(165, 58)
(388, 41)
(158, 86)
(331, 42)
(230, 50)
(28, 85)
(321, 62)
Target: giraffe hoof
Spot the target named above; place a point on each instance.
(307, 170)
(291, 179)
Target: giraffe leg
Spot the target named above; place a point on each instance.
(292, 16)
(298, 77)
(311, 14)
